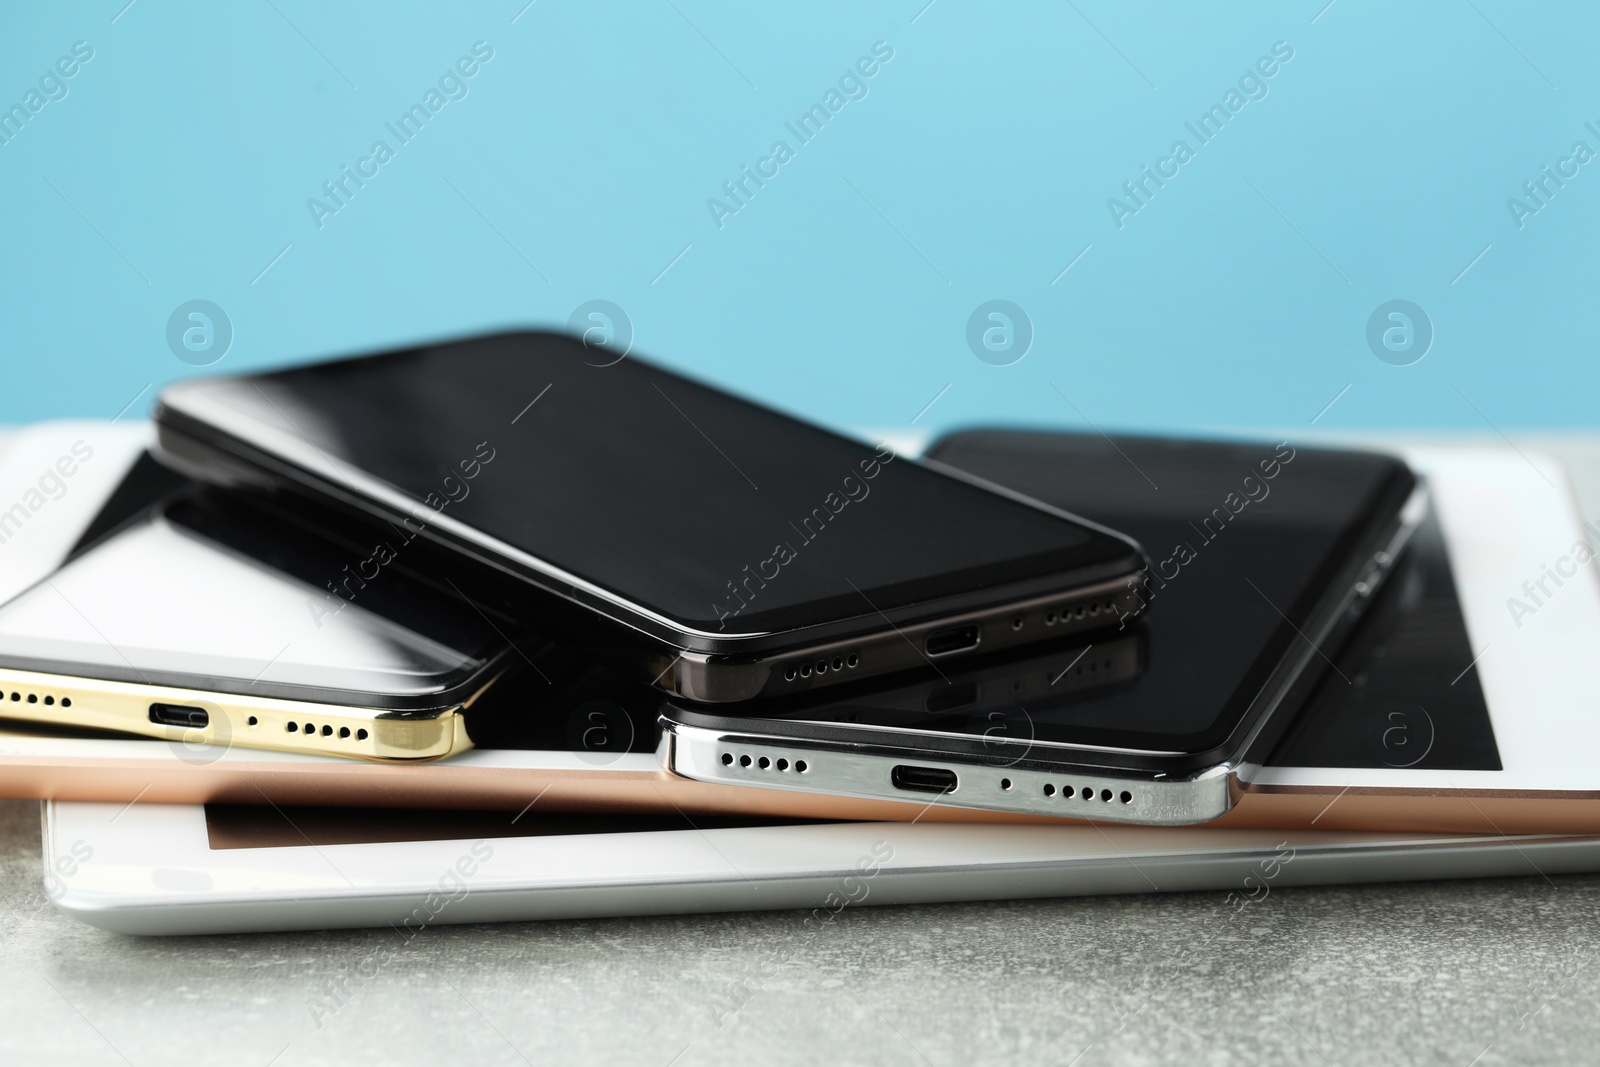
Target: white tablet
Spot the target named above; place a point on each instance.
(191, 869)
(1495, 730)
(1489, 731)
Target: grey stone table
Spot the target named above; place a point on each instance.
(1487, 972)
(1494, 971)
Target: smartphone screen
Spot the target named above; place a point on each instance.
(1400, 696)
(1243, 538)
(214, 594)
(694, 505)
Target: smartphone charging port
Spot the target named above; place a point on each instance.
(179, 715)
(923, 779)
(952, 639)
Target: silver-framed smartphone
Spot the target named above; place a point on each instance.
(1273, 553)
(723, 549)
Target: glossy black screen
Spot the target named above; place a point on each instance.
(215, 594)
(1243, 538)
(695, 504)
(1406, 693)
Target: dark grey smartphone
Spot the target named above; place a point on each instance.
(733, 550)
(1265, 556)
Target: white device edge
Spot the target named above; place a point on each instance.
(149, 869)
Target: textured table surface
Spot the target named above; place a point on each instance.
(1492, 971)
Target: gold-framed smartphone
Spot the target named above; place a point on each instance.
(211, 621)
(197, 718)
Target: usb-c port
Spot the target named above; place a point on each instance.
(923, 779)
(179, 715)
(953, 639)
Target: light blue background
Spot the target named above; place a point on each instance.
(1377, 168)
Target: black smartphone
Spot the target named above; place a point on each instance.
(213, 621)
(1265, 556)
(731, 550)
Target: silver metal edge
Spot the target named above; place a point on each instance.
(839, 769)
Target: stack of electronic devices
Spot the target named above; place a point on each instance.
(517, 627)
